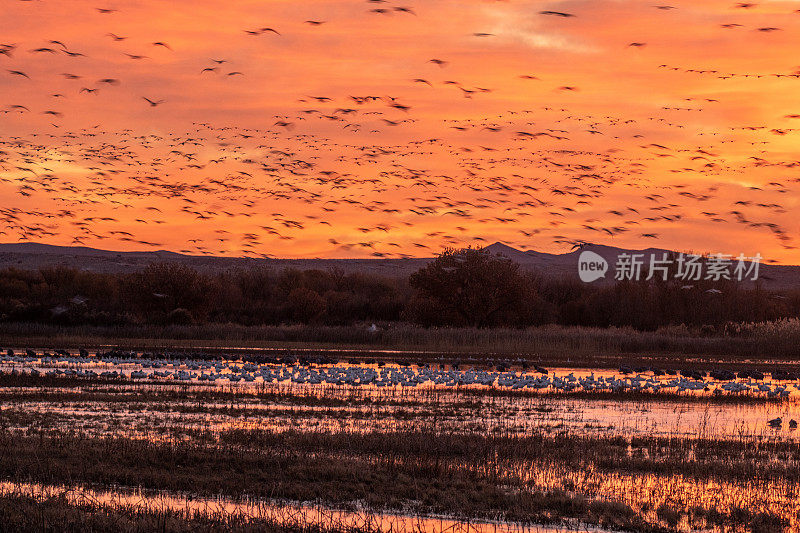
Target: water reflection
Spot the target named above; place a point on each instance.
(124, 408)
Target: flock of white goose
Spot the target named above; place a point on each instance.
(378, 374)
(129, 366)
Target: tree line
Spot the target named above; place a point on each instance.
(467, 287)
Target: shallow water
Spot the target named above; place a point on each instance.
(380, 375)
(548, 405)
(135, 409)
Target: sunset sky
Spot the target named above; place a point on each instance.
(359, 129)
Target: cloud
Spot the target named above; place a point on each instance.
(515, 24)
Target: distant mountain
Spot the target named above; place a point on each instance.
(49, 249)
(37, 255)
(566, 265)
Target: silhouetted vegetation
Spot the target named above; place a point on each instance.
(472, 287)
(461, 288)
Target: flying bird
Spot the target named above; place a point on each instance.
(153, 103)
(556, 14)
(261, 31)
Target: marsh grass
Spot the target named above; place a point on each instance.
(21, 511)
(579, 345)
(534, 479)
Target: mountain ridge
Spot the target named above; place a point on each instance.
(40, 255)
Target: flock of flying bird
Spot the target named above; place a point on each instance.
(354, 170)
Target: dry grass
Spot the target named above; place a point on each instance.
(22, 512)
(578, 345)
(466, 476)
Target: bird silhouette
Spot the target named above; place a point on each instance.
(153, 103)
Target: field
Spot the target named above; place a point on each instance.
(320, 441)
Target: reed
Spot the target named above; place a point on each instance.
(21, 511)
(553, 343)
(533, 479)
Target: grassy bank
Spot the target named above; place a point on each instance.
(549, 344)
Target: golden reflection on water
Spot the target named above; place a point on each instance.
(278, 407)
(646, 492)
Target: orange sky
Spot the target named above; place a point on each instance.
(686, 142)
